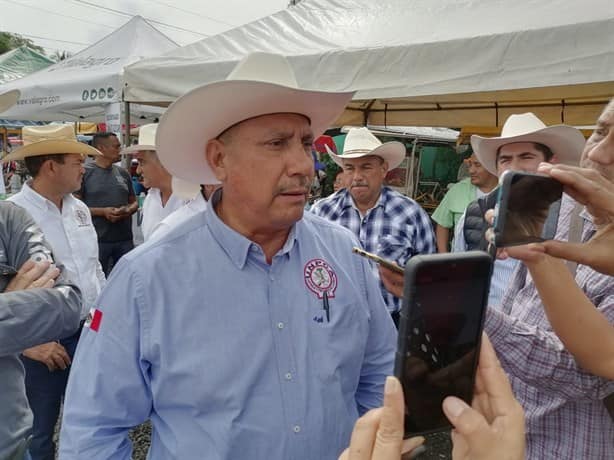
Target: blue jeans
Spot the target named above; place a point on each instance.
(45, 391)
(110, 253)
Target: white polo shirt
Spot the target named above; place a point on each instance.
(177, 218)
(72, 237)
(154, 212)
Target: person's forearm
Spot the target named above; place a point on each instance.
(98, 212)
(574, 317)
(132, 207)
(442, 234)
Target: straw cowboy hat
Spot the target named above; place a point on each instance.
(566, 142)
(261, 84)
(360, 142)
(8, 99)
(49, 140)
(147, 139)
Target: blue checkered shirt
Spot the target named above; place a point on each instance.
(396, 228)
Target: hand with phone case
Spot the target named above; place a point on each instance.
(492, 427)
(525, 203)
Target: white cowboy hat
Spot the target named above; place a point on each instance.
(8, 99)
(147, 139)
(360, 142)
(49, 140)
(261, 84)
(566, 142)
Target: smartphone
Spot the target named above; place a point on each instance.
(378, 260)
(527, 208)
(440, 330)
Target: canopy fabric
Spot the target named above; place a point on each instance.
(80, 87)
(418, 62)
(20, 62)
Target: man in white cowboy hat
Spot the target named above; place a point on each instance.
(161, 199)
(107, 190)
(525, 141)
(387, 223)
(566, 407)
(54, 158)
(256, 332)
(29, 315)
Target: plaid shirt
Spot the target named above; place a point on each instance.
(396, 228)
(565, 415)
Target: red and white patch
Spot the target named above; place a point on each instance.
(320, 278)
(93, 320)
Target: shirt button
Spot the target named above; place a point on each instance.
(280, 325)
(296, 429)
(288, 376)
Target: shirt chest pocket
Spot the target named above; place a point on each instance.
(395, 247)
(338, 329)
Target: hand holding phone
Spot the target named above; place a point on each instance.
(378, 260)
(527, 208)
(439, 335)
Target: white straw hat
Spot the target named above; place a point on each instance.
(566, 142)
(261, 84)
(360, 142)
(147, 139)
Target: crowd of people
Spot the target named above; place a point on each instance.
(245, 325)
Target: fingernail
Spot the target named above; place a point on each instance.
(454, 406)
(392, 385)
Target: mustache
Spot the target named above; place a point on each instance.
(358, 184)
(302, 183)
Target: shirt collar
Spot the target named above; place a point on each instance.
(234, 244)
(347, 200)
(37, 199)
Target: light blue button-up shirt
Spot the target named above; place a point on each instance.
(228, 356)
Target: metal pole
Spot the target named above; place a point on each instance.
(412, 158)
(126, 132)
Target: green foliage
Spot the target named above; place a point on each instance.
(9, 41)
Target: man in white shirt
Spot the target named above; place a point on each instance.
(54, 159)
(160, 200)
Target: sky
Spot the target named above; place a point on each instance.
(72, 25)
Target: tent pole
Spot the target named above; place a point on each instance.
(126, 133)
(412, 181)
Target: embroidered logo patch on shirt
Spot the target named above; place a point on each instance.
(81, 218)
(93, 320)
(320, 278)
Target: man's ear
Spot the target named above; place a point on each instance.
(385, 166)
(216, 152)
(554, 160)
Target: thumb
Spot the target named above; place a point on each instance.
(576, 252)
(389, 438)
(469, 424)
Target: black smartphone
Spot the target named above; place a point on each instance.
(527, 208)
(378, 260)
(440, 332)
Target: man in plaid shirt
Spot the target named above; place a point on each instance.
(565, 412)
(387, 223)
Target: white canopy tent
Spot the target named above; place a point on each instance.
(83, 86)
(418, 62)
